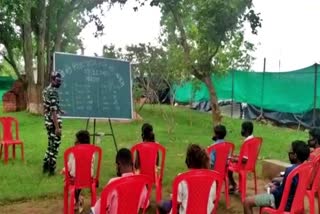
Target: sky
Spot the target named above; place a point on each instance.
(289, 38)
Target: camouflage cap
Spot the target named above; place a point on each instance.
(55, 74)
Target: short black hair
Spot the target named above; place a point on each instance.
(315, 133)
(124, 157)
(247, 127)
(147, 132)
(301, 149)
(83, 137)
(220, 132)
(197, 157)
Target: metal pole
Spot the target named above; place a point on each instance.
(232, 93)
(315, 94)
(262, 86)
(87, 126)
(94, 130)
(112, 133)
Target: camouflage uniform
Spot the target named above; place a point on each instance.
(51, 103)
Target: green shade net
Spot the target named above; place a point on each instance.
(291, 92)
(5, 85)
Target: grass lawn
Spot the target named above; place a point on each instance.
(174, 127)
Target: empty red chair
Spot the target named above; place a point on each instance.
(8, 139)
(222, 153)
(83, 178)
(303, 171)
(251, 149)
(199, 183)
(128, 191)
(148, 155)
(315, 185)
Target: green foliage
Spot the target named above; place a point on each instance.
(112, 52)
(64, 20)
(149, 66)
(209, 33)
(6, 70)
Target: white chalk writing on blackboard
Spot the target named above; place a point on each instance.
(95, 86)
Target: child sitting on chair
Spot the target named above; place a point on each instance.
(247, 133)
(82, 137)
(220, 133)
(124, 167)
(147, 135)
(197, 158)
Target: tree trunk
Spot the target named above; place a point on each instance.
(11, 60)
(216, 114)
(28, 57)
(60, 29)
(58, 40)
(62, 19)
(40, 54)
(48, 44)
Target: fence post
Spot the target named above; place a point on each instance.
(315, 94)
(232, 93)
(262, 89)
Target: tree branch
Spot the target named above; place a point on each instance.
(214, 53)
(183, 41)
(13, 65)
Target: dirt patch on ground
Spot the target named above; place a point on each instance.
(55, 206)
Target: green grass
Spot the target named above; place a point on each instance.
(175, 128)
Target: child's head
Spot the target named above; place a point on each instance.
(147, 133)
(220, 132)
(124, 161)
(246, 128)
(314, 138)
(299, 152)
(197, 158)
(82, 137)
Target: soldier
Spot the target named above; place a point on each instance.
(53, 122)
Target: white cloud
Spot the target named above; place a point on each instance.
(123, 27)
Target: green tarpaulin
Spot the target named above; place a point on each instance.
(5, 85)
(291, 92)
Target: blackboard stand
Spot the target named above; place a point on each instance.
(96, 134)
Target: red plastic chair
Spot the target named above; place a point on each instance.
(251, 149)
(128, 190)
(8, 138)
(148, 154)
(222, 152)
(303, 171)
(83, 155)
(315, 185)
(199, 183)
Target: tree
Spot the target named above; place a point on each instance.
(44, 26)
(10, 40)
(6, 69)
(149, 65)
(209, 35)
(112, 52)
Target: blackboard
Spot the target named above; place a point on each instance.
(94, 87)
